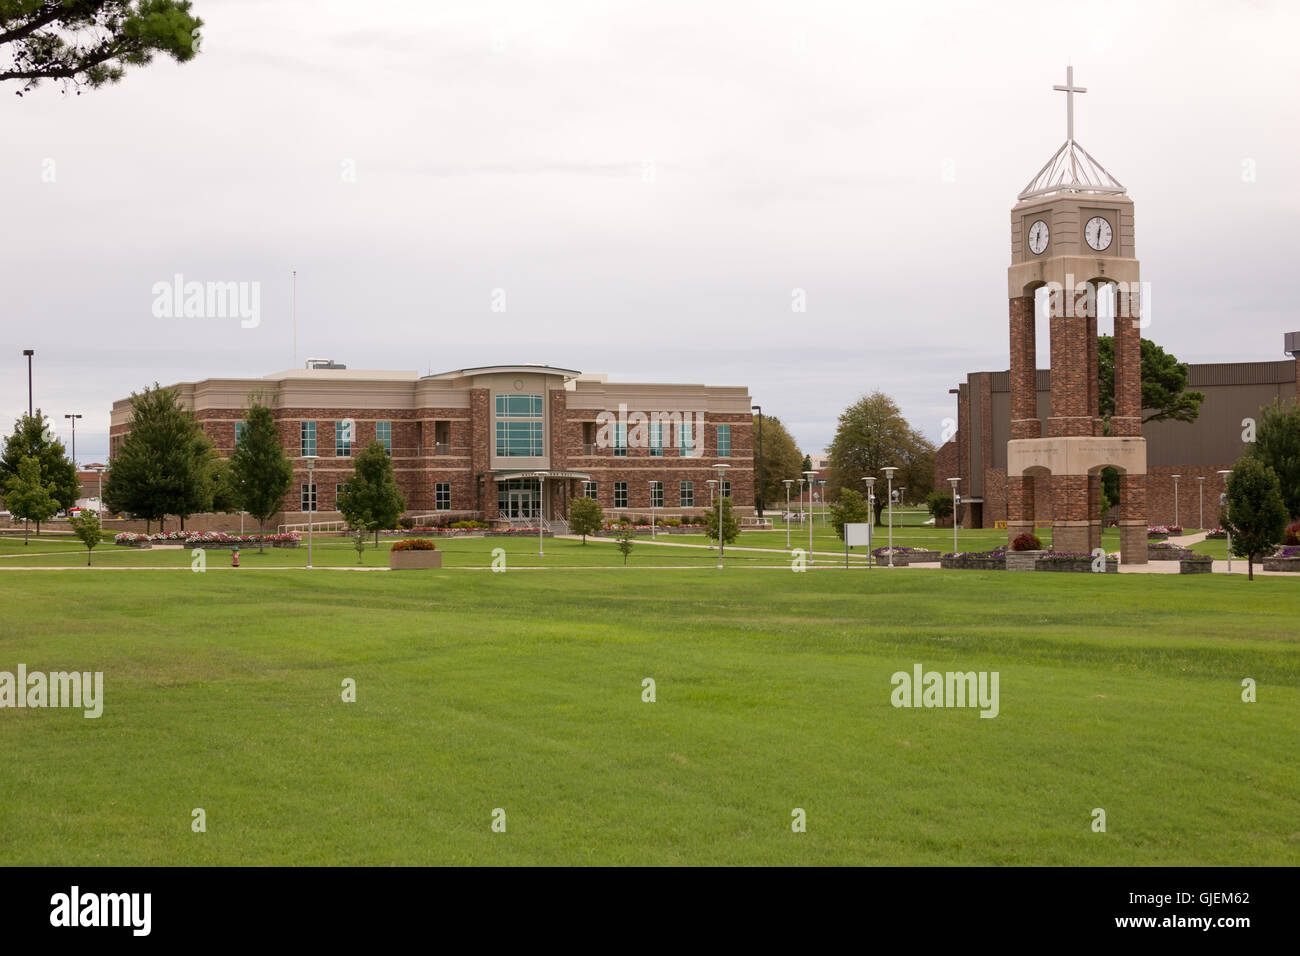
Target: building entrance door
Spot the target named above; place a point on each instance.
(521, 505)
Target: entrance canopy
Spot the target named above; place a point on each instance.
(578, 475)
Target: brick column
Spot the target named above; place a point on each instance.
(1069, 512)
(1132, 519)
(1024, 377)
(1094, 511)
(1020, 505)
(1127, 419)
(1094, 386)
(480, 452)
(1071, 371)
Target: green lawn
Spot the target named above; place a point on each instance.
(523, 691)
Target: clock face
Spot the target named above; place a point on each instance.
(1098, 233)
(1038, 236)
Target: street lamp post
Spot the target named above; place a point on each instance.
(541, 513)
(652, 511)
(1223, 504)
(889, 478)
(99, 500)
(29, 353)
(788, 482)
(871, 516)
(956, 500)
(722, 470)
(74, 438)
(311, 501)
(1176, 521)
(1200, 484)
(711, 482)
(759, 496)
(811, 485)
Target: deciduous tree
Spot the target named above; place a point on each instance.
(1256, 515)
(371, 499)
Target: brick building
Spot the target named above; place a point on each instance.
(1234, 392)
(496, 443)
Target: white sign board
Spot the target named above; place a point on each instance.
(856, 535)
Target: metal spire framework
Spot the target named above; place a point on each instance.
(1071, 168)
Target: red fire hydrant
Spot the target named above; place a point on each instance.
(234, 556)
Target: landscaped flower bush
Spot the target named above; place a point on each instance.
(1292, 535)
(414, 544)
(1163, 531)
(205, 537)
(1026, 542)
(1216, 534)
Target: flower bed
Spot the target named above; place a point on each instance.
(1161, 532)
(414, 544)
(975, 560)
(1217, 534)
(206, 539)
(1072, 561)
(1191, 563)
(1287, 559)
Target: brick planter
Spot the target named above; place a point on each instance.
(1163, 535)
(1083, 565)
(1165, 554)
(973, 564)
(411, 560)
(1023, 560)
(903, 558)
(1282, 564)
(1199, 566)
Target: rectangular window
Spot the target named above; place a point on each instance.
(519, 406)
(519, 439)
(338, 490)
(656, 440)
(240, 428)
(724, 441)
(620, 494)
(308, 438)
(686, 439)
(726, 489)
(656, 494)
(384, 433)
(589, 489)
(620, 441)
(308, 498)
(343, 439)
(442, 496)
(687, 494)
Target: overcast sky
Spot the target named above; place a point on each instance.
(648, 183)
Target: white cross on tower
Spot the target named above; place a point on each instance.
(1069, 89)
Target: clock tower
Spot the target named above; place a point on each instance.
(1072, 236)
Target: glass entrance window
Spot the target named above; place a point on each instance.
(519, 498)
